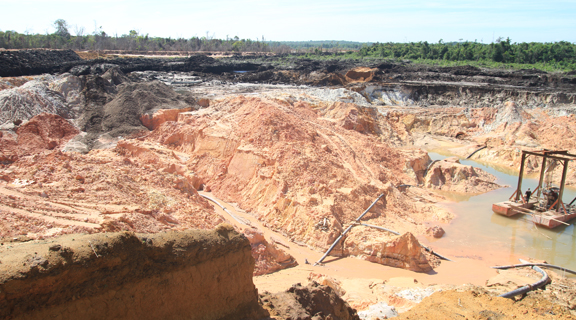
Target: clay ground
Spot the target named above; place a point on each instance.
(295, 154)
(463, 285)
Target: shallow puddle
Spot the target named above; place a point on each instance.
(479, 233)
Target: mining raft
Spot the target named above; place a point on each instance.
(545, 203)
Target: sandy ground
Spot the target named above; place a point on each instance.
(459, 287)
(357, 276)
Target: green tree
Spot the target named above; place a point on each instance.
(62, 29)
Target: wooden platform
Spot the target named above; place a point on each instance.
(547, 219)
(551, 219)
(507, 208)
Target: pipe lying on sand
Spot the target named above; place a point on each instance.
(473, 153)
(522, 290)
(347, 229)
(545, 265)
(358, 223)
(379, 227)
(429, 166)
(223, 208)
(436, 254)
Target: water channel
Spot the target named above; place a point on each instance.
(479, 233)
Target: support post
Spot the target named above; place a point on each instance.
(519, 188)
(571, 202)
(561, 193)
(542, 171)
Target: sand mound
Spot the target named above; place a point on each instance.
(43, 132)
(121, 115)
(313, 301)
(30, 99)
(269, 257)
(302, 174)
(401, 252)
(474, 305)
(62, 193)
(450, 175)
(137, 186)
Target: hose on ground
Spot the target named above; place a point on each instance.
(347, 229)
(522, 290)
(545, 265)
(481, 148)
(223, 208)
(436, 254)
(429, 166)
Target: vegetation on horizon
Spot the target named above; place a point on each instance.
(556, 56)
(552, 56)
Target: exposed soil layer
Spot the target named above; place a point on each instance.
(121, 115)
(314, 302)
(450, 175)
(15, 63)
(178, 275)
(301, 161)
(478, 305)
(263, 155)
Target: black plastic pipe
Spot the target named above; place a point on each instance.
(544, 280)
(473, 153)
(348, 229)
(545, 265)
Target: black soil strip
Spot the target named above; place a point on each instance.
(34, 62)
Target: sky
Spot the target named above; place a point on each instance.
(302, 20)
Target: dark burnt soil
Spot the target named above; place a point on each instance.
(197, 63)
(281, 69)
(333, 71)
(115, 103)
(16, 63)
(121, 115)
(314, 302)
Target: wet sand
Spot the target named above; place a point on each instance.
(355, 274)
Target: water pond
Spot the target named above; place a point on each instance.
(479, 233)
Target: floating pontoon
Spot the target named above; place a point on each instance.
(546, 205)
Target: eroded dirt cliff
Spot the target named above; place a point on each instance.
(190, 274)
(304, 160)
(302, 173)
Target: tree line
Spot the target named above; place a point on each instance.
(133, 41)
(559, 55)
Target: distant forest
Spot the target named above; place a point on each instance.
(562, 54)
(554, 56)
(325, 45)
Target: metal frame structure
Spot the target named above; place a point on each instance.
(562, 156)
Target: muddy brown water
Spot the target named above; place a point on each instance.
(481, 234)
